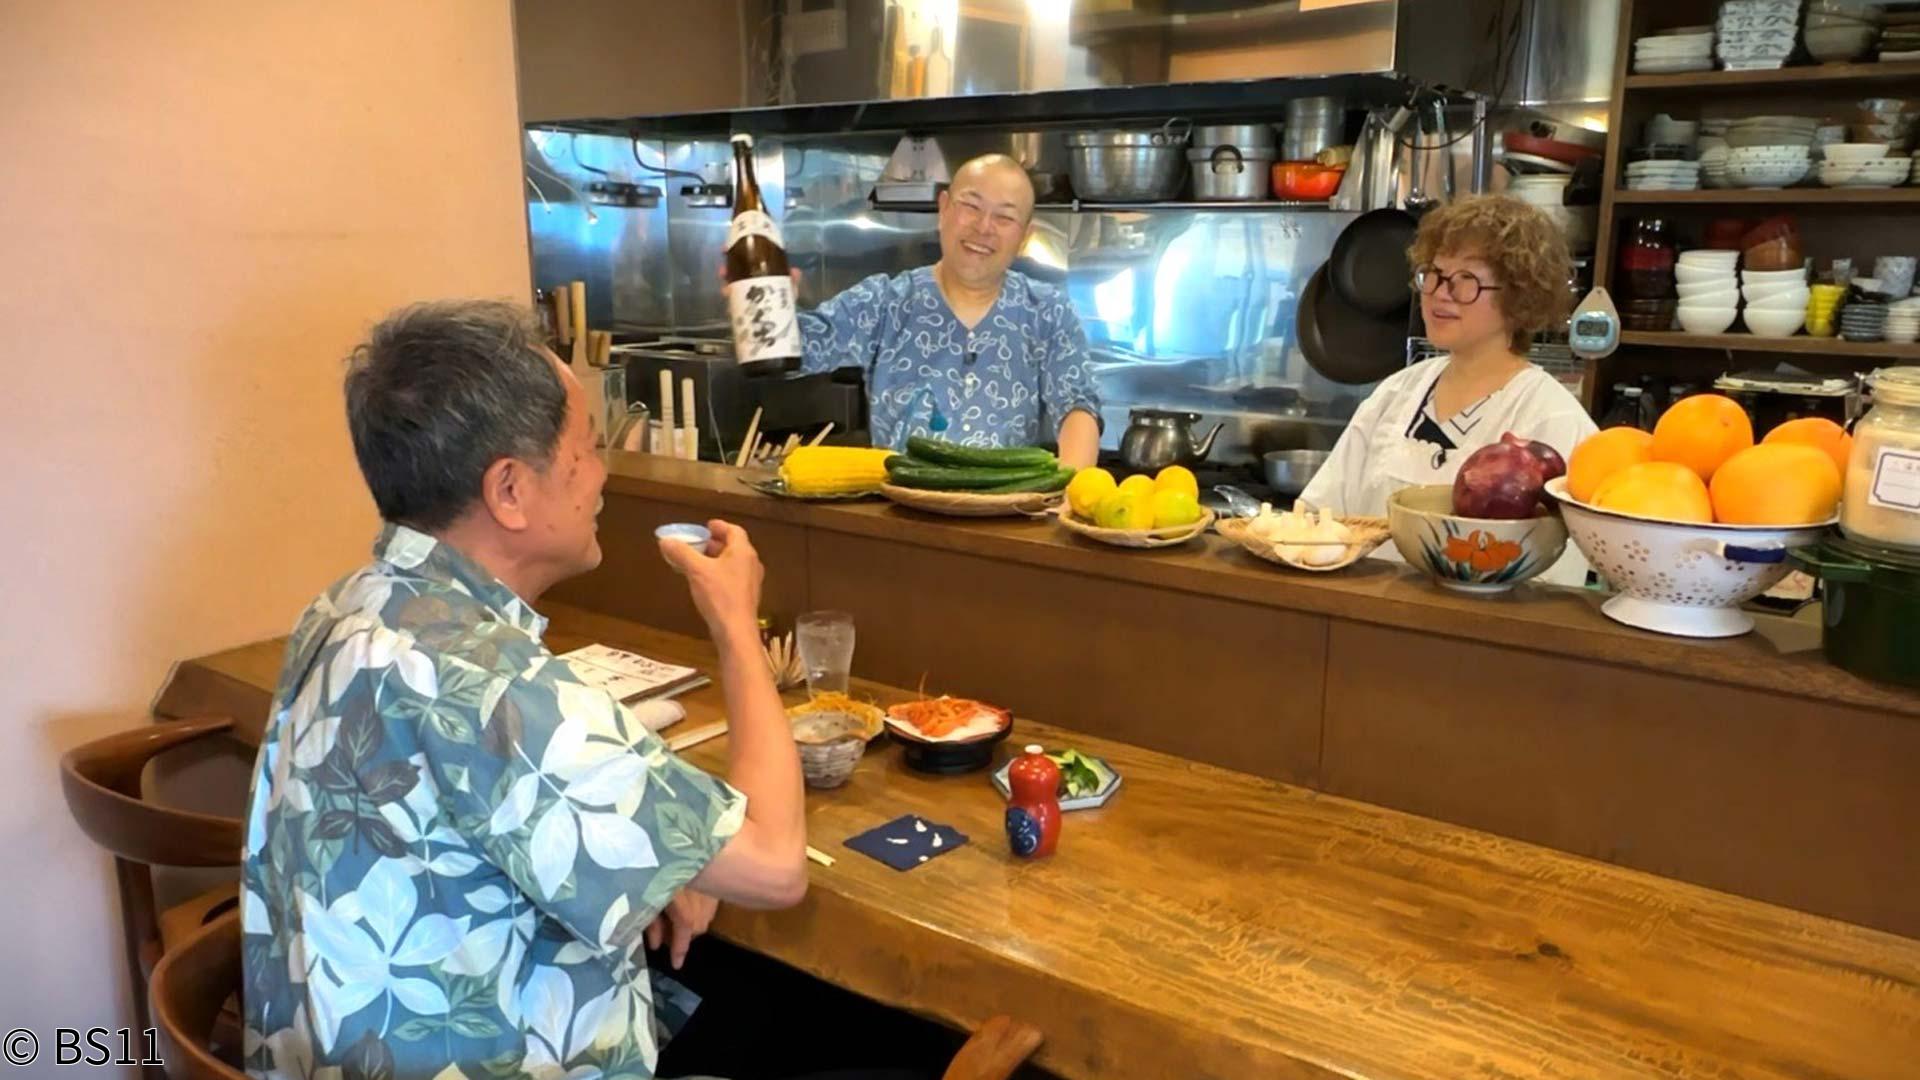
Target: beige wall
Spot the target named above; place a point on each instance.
(203, 204)
(582, 58)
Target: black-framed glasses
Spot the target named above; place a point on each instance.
(1462, 286)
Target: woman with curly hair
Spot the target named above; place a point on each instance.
(1491, 272)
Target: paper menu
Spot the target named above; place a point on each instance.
(628, 675)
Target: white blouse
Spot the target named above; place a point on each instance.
(1381, 451)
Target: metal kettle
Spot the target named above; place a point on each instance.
(1157, 438)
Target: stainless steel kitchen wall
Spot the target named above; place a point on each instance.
(1185, 307)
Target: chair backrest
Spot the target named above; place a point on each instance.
(994, 1051)
(189, 986)
(102, 784)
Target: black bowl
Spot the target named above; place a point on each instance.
(950, 758)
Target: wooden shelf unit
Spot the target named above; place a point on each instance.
(1861, 223)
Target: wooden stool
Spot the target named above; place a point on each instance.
(101, 781)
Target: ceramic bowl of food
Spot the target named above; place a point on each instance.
(947, 734)
(1471, 555)
(1773, 323)
(1699, 319)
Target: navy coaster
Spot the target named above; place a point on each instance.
(907, 841)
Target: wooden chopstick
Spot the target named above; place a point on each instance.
(688, 739)
(819, 856)
(824, 432)
(746, 443)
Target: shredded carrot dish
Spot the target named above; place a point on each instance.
(935, 717)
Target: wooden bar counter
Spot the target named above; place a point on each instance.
(1750, 765)
(1209, 923)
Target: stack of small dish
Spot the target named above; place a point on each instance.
(1663, 176)
(1709, 292)
(1767, 166)
(1842, 30)
(1822, 303)
(1903, 321)
(1864, 320)
(1900, 38)
(1773, 130)
(1667, 52)
(1755, 35)
(1887, 120)
(1863, 165)
(1776, 301)
(1713, 166)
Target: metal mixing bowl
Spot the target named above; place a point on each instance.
(1289, 471)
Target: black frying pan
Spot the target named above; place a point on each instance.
(1369, 264)
(1346, 345)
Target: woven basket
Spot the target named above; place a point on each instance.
(1370, 533)
(1136, 538)
(970, 504)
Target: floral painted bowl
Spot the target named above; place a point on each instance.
(1474, 555)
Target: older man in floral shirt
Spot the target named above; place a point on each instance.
(455, 848)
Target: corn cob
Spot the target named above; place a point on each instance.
(833, 470)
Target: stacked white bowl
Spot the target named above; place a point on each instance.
(1663, 175)
(1863, 165)
(1549, 193)
(1753, 35)
(1669, 52)
(1767, 166)
(1903, 321)
(1709, 292)
(1776, 301)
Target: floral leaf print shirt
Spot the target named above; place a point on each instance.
(454, 846)
(1009, 381)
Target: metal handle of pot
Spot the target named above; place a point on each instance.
(1166, 137)
(1239, 162)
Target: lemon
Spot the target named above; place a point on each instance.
(1178, 478)
(1124, 510)
(1172, 508)
(1137, 485)
(1089, 486)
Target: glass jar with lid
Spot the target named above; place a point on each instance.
(1881, 504)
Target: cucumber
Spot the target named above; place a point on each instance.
(908, 472)
(942, 452)
(1057, 482)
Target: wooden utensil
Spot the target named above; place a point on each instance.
(667, 430)
(824, 432)
(562, 296)
(746, 443)
(690, 418)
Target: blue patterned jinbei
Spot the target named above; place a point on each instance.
(454, 847)
(1009, 381)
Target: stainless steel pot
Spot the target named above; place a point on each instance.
(1157, 438)
(1230, 174)
(1313, 124)
(1128, 164)
(1246, 137)
(1290, 471)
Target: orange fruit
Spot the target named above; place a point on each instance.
(1603, 454)
(1657, 489)
(1779, 483)
(1702, 431)
(1819, 433)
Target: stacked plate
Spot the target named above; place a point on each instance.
(1713, 166)
(1754, 35)
(1671, 51)
(1709, 292)
(1767, 166)
(1664, 130)
(1772, 131)
(1874, 173)
(1900, 36)
(1663, 176)
(1864, 321)
(1903, 321)
(1776, 301)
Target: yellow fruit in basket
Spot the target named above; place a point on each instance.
(1125, 510)
(1604, 454)
(1173, 508)
(1087, 488)
(1776, 483)
(1663, 490)
(1177, 478)
(1141, 485)
(1702, 431)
